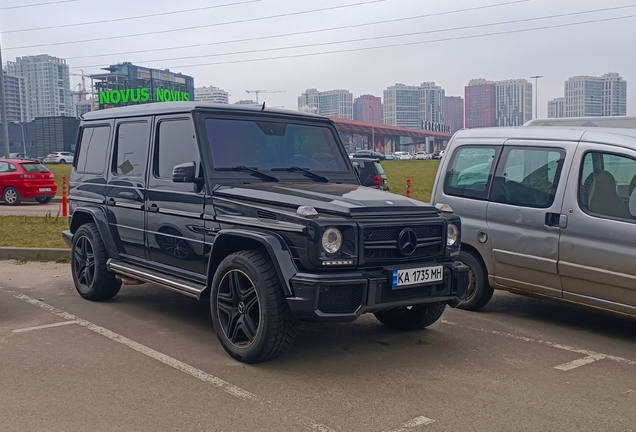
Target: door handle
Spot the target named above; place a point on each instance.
(153, 208)
(556, 220)
(111, 202)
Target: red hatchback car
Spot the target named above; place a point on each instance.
(21, 179)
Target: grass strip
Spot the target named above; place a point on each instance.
(32, 231)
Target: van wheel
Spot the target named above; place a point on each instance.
(412, 317)
(479, 291)
(88, 265)
(250, 314)
(11, 196)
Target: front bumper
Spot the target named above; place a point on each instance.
(346, 296)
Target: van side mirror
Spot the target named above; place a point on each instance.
(186, 173)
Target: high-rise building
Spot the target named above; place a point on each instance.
(480, 106)
(48, 85)
(454, 113)
(587, 96)
(16, 97)
(211, 94)
(614, 95)
(556, 108)
(514, 102)
(414, 107)
(331, 103)
(368, 108)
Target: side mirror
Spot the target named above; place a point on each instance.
(185, 173)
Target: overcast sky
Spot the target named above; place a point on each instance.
(441, 43)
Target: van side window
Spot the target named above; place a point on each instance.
(131, 149)
(93, 150)
(470, 172)
(528, 177)
(607, 185)
(177, 144)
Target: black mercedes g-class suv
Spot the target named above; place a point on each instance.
(261, 212)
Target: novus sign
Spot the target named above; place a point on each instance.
(141, 95)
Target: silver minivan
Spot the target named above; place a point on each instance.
(546, 211)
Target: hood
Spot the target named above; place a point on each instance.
(343, 199)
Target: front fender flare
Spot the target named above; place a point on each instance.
(273, 244)
(99, 217)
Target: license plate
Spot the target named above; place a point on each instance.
(45, 189)
(417, 276)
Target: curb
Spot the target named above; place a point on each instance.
(33, 254)
(57, 199)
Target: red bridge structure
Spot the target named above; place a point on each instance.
(386, 138)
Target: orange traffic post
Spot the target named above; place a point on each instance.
(64, 200)
(408, 188)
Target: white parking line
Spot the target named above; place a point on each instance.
(238, 392)
(163, 358)
(26, 329)
(411, 424)
(587, 353)
(580, 362)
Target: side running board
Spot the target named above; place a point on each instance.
(170, 282)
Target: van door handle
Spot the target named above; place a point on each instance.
(556, 220)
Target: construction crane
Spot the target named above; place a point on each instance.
(82, 92)
(263, 91)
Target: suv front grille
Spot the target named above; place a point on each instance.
(381, 242)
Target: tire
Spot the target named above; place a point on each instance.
(44, 200)
(62, 161)
(247, 303)
(11, 196)
(413, 317)
(479, 290)
(88, 265)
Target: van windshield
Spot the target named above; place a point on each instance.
(273, 145)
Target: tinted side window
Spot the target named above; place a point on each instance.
(607, 185)
(176, 144)
(470, 172)
(528, 176)
(131, 149)
(93, 150)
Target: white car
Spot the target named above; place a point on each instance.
(59, 157)
(400, 155)
(421, 155)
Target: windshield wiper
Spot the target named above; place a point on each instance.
(255, 172)
(306, 171)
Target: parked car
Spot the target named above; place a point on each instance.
(267, 231)
(389, 156)
(438, 154)
(371, 173)
(402, 155)
(548, 212)
(60, 157)
(369, 154)
(18, 156)
(421, 155)
(25, 179)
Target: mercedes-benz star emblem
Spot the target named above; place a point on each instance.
(407, 242)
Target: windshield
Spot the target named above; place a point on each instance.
(34, 167)
(267, 145)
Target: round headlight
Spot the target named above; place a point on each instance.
(452, 235)
(332, 240)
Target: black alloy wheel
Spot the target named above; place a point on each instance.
(92, 279)
(238, 308)
(250, 314)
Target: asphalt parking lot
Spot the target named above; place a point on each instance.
(149, 360)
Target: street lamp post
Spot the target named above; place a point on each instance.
(536, 92)
(23, 139)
